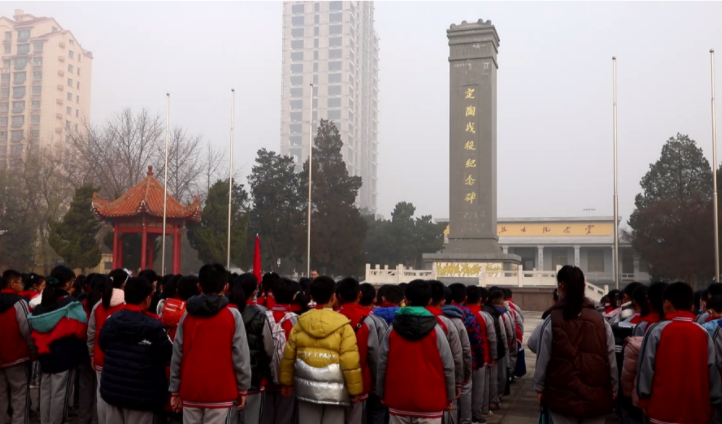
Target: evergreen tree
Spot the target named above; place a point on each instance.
(18, 227)
(210, 236)
(74, 237)
(338, 229)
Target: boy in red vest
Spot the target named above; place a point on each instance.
(671, 391)
(211, 365)
(16, 350)
(364, 326)
(416, 373)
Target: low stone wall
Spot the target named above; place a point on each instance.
(533, 298)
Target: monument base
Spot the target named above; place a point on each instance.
(466, 268)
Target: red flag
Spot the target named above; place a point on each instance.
(257, 260)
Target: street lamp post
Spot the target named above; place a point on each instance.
(616, 198)
(714, 171)
(310, 184)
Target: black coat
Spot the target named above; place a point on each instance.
(255, 320)
(137, 352)
(500, 349)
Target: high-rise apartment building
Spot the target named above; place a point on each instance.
(44, 85)
(333, 46)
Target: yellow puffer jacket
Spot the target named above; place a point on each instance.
(321, 359)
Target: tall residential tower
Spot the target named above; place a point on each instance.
(44, 85)
(332, 45)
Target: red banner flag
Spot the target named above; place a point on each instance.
(257, 260)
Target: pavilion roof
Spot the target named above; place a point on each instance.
(146, 197)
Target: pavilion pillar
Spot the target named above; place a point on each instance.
(143, 246)
(120, 251)
(176, 250)
(116, 262)
(151, 248)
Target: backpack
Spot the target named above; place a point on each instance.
(279, 341)
(171, 314)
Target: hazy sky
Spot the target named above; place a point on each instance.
(554, 92)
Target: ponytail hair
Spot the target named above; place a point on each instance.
(640, 298)
(59, 277)
(96, 286)
(116, 279)
(656, 299)
(574, 288)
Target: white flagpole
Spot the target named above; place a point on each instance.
(714, 172)
(310, 184)
(165, 182)
(616, 198)
(230, 180)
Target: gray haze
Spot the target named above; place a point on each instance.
(554, 94)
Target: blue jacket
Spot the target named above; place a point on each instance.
(137, 352)
(386, 313)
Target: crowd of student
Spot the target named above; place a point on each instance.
(649, 354)
(221, 348)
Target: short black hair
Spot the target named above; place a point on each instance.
(137, 289)
(392, 293)
(368, 294)
(508, 293)
(269, 281)
(347, 290)
(283, 291)
(10, 274)
(212, 278)
(33, 279)
(680, 295)
(438, 291)
(473, 295)
(714, 289)
(322, 288)
(237, 297)
(149, 275)
(418, 293)
(403, 286)
(449, 295)
(496, 295)
(249, 282)
(715, 303)
(484, 294)
(188, 287)
(459, 292)
(629, 289)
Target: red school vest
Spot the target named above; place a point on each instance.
(101, 315)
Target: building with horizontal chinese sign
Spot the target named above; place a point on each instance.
(587, 242)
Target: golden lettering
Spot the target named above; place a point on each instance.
(469, 181)
(471, 163)
(469, 146)
(471, 111)
(470, 197)
(470, 128)
(470, 93)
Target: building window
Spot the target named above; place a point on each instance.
(351, 79)
(352, 56)
(70, 82)
(297, 104)
(350, 104)
(296, 140)
(297, 57)
(71, 54)
(37, 61)
(335, 29)
(334, 102)
(296, 81)
(334, 114)
(20, 62)
(77, 85)
(334, 90)
(68, 110)
(335, 41)
(67, 124)
(78, 72)
(352, 68)
(298, 8)
(4, 121)
(335, 5)
(350, 115)
(23, 48)
(335, 54)
(77, 113)
(595, 260)
(6, 63)
(37, 89)
(19, 77)
(70, 96)
(297, 32)
(335, 18)
(35, 119)
(16, 135)
(316, 19)
(23, 34)
(297, 68)
(296, 128)
(4, 92)
(315, 55)
(315, 79)
(296, 116)
(317, 7)
(70, 68)
(18, 121)
(297, 21)
(315, 67)
(5, 78)
(34, 134)
(334, 78)
(296, 44)
(4, 107)
(18, 92)
(315, 43)
(77, 99)
(16, 151)
(8, 49)
(9, 34)
(297, 92)
(315, 93)
(315, 103)
(36, 104)
(37, 75)
(3, 137)
(38, 47)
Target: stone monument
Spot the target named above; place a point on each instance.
(473, 242)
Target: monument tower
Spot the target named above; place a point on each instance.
(473, 241)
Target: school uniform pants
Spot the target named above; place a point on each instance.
(312, 413)
(478, 392)
(87, 413)
(251, 414)
(15, 392)
(115, 415)
(355, 413)
(487, 390)
(376, 412)
(205, 416)
(278, 409)
(464, 403)
(567, 419)
(55, 392)
(501, 378)
(101, 405)
(493, 383)
(395, 419)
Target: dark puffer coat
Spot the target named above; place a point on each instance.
(255, 321)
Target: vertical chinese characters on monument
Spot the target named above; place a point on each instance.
(470, 143)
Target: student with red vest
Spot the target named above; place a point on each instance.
(655, 299)
(480, 387)
(376, 412)
(268, 283)
(349, 294)
(211, 365)
(16, 350)
(670, 392)
(416, 372)
(113, 299)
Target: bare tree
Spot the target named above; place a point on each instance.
(185, 164)
(211, 169)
